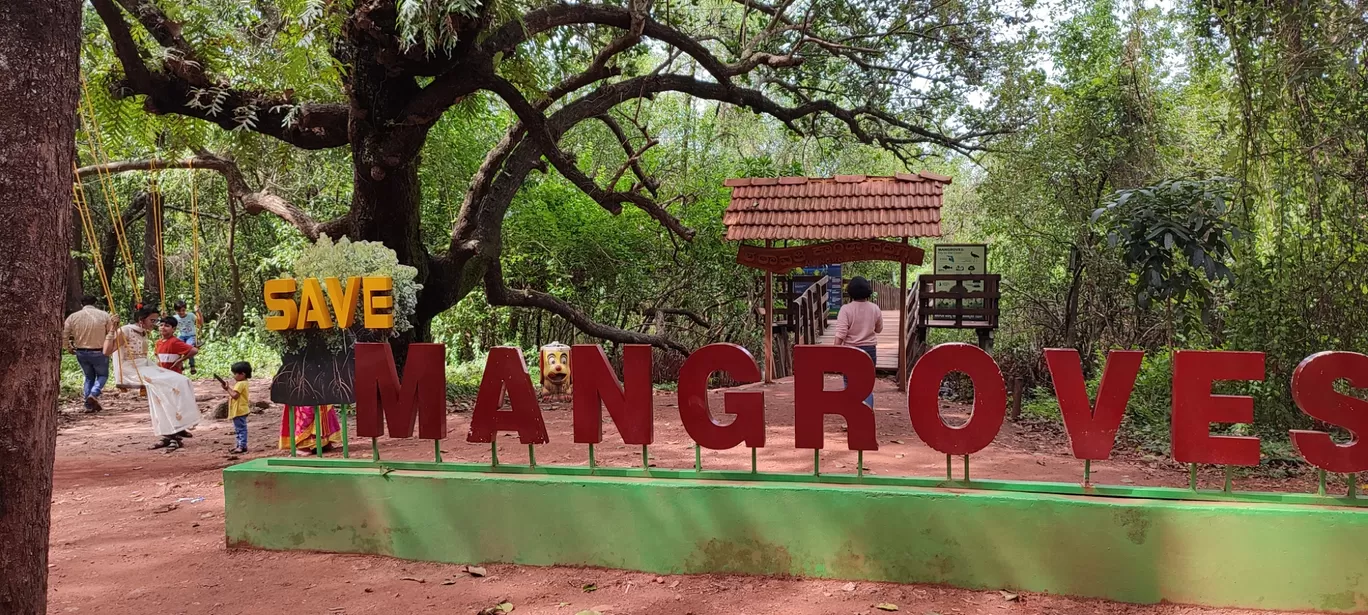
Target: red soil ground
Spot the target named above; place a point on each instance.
(137, 531)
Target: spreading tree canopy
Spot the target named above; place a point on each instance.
(376, 75)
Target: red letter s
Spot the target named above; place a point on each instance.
(1313, 388)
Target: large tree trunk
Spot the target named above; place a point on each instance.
(38, 91)
(387, 195)
(75, 284)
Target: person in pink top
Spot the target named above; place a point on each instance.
(860, 322)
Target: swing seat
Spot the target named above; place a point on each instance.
(141, 389)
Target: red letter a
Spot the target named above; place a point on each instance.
(505, 368)
(597, 386)
(1092, 431)
(811, 400)
(1313, 388)
(381, 401)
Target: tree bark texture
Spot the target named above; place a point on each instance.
(38, 91)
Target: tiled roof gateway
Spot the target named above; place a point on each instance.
(841, 207)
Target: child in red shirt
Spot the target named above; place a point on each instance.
(171, 351)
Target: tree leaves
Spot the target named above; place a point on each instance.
(1155, 224)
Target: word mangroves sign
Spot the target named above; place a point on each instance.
(385, 404)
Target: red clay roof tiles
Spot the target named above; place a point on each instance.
(841, 207)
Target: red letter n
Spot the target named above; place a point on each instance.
(812, 402)
(382, 401)
(1092, 431)
(596, 385)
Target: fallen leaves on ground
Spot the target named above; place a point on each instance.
(886, 606)
(1009, 596)
(502, 608)
(589, 587)
(475, 571)
(414, 579)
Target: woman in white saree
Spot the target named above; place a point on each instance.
(170, 396)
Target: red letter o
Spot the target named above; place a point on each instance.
(923, 398)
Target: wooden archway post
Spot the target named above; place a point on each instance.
(769, 321)
(902, 326)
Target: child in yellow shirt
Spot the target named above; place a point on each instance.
(238, 405)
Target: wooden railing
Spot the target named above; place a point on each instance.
(802, 320)
(923, 313)
(885, 295)
(810, 311)
(958, 316)
(913, 333)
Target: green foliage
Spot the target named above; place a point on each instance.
(1118, 107)
(1171, 233)
(220, 349)
(72, 379)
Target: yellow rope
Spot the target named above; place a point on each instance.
(156, 204)
(91, 124)
(88, 227)
(194, 234)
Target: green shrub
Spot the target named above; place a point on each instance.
(219, 350)
(71, 379)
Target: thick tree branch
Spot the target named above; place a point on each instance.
(184, 88)
(514, 33)
(691, 315)
(867, 124)
(498, 294)
(253, 201)
(611, 200)
(633, 156)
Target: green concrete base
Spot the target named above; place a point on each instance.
(1271, 556)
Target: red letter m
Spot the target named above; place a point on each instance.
(379, 392)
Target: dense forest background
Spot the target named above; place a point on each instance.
(1187, 174)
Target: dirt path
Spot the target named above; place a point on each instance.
(138, 531)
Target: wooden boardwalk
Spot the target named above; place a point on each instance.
(888, 341)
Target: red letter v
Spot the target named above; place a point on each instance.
(1092, 431)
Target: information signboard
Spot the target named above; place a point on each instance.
(960, 259)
